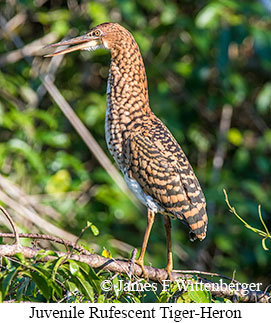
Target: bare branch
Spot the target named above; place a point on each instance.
(30, 49)
(224, 126)
(18, 194)
(48, 237)
(16, 234)
(88, 139)
(221, 150)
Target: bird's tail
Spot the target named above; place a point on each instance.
(196, 218)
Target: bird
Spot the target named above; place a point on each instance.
(152, 162)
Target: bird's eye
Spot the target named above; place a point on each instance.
(96, 33)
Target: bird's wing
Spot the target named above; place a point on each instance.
(171, 183)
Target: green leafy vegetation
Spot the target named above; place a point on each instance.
(265, 234)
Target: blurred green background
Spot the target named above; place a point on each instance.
(208, 65)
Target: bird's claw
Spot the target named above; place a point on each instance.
(169, 272)
(140, 263)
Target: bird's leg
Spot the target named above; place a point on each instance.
(140, 260)
(169, 266)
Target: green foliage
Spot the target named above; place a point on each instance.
(195, 296)
(199, 57)
(265, 234)
(54, 281)
(65, 280)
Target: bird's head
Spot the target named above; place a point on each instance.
(106, 35)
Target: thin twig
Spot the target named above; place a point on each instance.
(265, 234)
(262, 221)
(233, 276)
(47, 237)
(18, 194)
(87, 137)
(28, 50)
(16, 234)
(200, 272)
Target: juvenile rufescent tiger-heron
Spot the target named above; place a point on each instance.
(153, 164)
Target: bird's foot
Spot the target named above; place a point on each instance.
(140, 262)
(169, 269)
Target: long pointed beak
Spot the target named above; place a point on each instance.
(81, 42)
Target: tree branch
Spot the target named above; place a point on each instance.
(155, 274)
(16, 234)
(128, 267)
(39, 236)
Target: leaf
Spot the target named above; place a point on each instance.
(58, 263)
(58, 183)
(97, 12)
(74, 268)
(41, 274)
(5, 284)
(90, 275)
(183, 68)
(71, 286)
(184, 298)
(20, 147)
(93, 228)
(45, 117)
(22, 288)
(54, 139)
(45, 253)
(198, 296)
(88, 270)
(209, 15)
(163, 297)
(61, 27)
(235, 137)
(79, 281)
(169, 14)
(20, 257)
(263, 101)
(101, 299)
(85, 287)
(42, 284)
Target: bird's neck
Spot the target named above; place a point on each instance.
(127, 91)
(127, 98)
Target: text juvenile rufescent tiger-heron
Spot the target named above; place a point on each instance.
(152, 162)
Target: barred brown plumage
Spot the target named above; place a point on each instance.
(152, 162)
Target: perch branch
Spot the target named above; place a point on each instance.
(155, 274)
